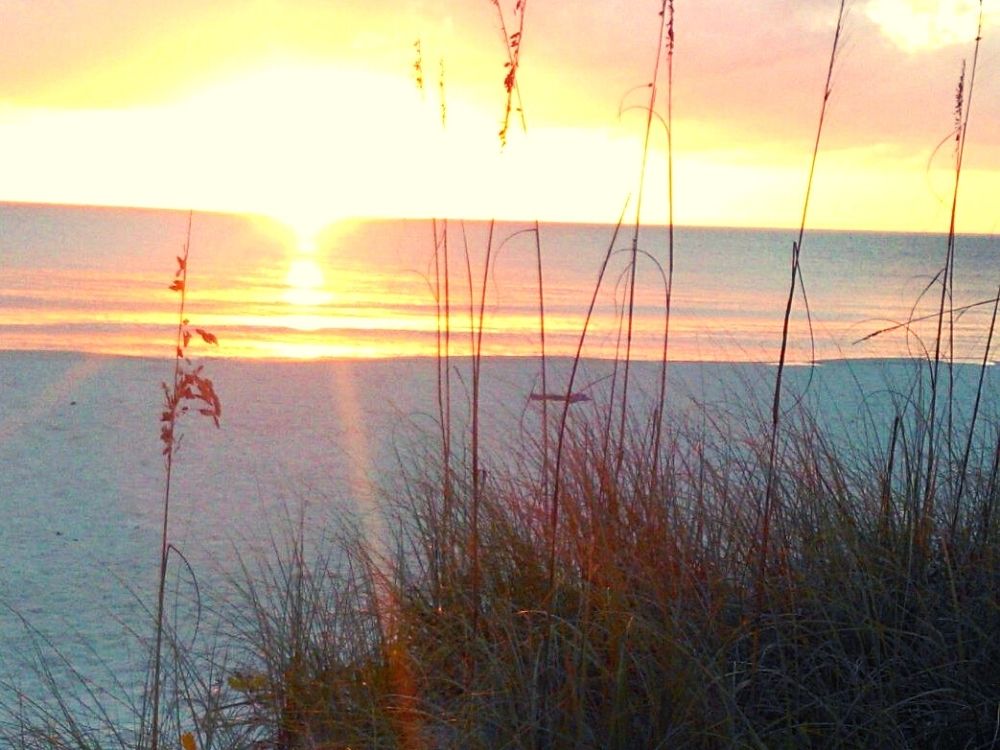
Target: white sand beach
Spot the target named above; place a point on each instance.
(82, 481)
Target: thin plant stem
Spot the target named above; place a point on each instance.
(561, 435)
(476, 480)
(910, 321)
(443, 394)
(963, 106)
(545, 387)
(635, 236)
(512, 43)
(446, 415)
(661, 403)
(769, 492)
(169, 459)
(975, 414)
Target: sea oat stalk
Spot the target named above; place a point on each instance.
(189, 388)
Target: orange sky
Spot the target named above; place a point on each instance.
(308, 110)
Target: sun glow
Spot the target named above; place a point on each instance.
(306, 284)
(310, 113)
(311, 144)
(307, 224)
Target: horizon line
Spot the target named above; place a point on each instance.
(274, 216)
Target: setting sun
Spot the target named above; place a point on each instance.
(306, 284)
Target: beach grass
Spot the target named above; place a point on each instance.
(657, 631)
(657, 627)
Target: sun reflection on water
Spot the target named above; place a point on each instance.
(306, 284)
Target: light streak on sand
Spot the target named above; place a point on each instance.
(58, 393)
(344, 400)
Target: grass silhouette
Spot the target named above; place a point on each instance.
(189, 388)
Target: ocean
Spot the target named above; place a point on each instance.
(96, 280)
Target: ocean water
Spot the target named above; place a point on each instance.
(95, 280)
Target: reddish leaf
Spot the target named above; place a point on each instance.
(177, 286)
(208, 338)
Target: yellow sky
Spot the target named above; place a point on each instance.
(308, 110)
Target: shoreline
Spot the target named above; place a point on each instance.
(208, 356)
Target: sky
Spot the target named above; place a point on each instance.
(310, 110)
